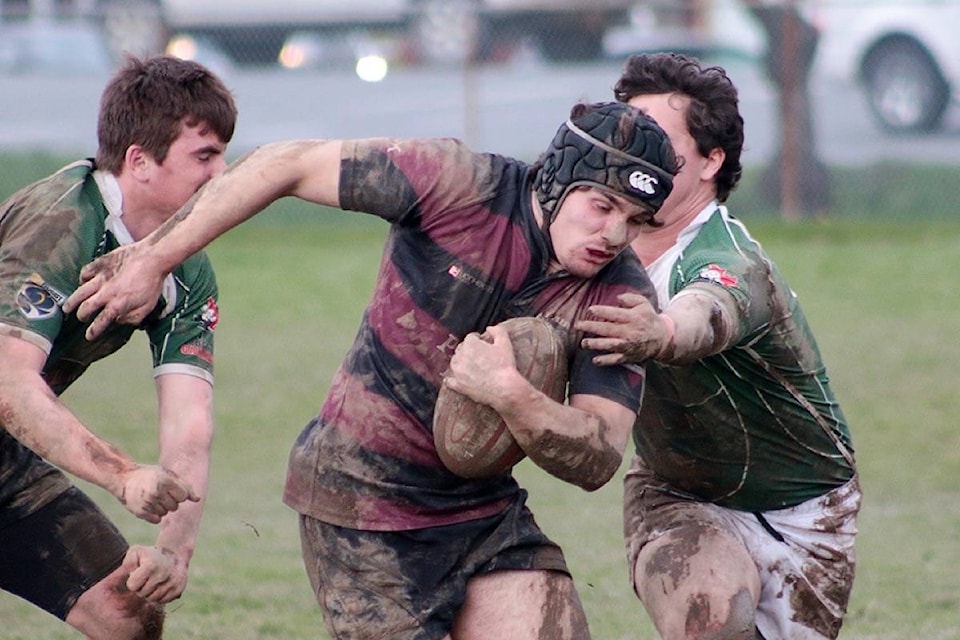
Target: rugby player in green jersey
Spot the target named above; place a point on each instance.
(741, 501)
(163, 127)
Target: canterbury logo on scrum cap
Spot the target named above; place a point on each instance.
(643, 182)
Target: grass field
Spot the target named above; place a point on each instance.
(880, 295)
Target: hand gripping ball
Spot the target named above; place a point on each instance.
(473, 441)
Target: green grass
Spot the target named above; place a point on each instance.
(882, 300)
(881, 295)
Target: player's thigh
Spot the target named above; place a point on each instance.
(521, 604)
(55, 554)
(413, 584)
(65, 559)
(698, 581)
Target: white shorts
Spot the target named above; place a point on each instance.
(804, 555)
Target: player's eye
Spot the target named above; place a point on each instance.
(601, 204)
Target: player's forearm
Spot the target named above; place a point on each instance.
(186, 437)
(217, 208)
(179, 530)
(246, 188)
(569, 443)
(703, 324)
(33, 415)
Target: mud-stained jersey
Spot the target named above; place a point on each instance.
(756, 427)
(464, 252)
(48, 232)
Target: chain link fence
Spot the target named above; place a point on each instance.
(251, 32)
(823, 82)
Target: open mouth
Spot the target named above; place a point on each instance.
(599, 256)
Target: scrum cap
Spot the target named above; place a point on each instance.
(610, 145)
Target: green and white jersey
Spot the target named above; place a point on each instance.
(755, 427)
(48, 232)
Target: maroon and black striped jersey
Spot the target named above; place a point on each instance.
(464, 251)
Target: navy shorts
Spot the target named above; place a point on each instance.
(52, 556)
(412, 584)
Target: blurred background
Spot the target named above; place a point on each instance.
(827, 86)
(851, 167)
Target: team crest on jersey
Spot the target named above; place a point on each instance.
(209, 314)
(37, 300)
(716, 273)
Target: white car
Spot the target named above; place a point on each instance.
(905, 54)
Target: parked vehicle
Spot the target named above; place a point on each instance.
(904, 54)
(134, 26)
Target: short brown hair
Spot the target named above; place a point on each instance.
(147, 101)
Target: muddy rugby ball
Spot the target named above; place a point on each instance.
(473, 441)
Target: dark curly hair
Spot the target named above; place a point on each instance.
(713, 118)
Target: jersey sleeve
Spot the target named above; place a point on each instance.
(740, 275)
(29, 307)
(44, 245)
(410, 182)
(622, 384)
(181, 340)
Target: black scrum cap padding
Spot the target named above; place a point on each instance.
(613, 146)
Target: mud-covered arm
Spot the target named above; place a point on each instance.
(33, 414)
(581, 442)
(699, 321)
(124, 284)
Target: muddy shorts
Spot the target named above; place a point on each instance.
(52, 556)
(804, 554)
(411, 584)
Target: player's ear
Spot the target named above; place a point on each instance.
(136, 162)
(714, 161)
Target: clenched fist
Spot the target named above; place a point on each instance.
(156, 574)
(151, 492)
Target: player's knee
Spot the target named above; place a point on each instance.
(110, 611)
(140, 621)
(736, 621)
(151, 622)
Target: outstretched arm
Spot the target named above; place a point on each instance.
(124, 285)
(699, 322)
(33, 415)
(581, 442)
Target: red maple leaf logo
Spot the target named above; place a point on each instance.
(716, 273)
